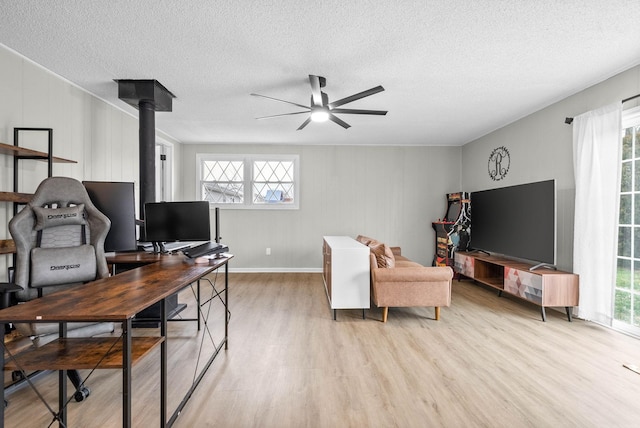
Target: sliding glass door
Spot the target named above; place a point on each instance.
(626, 312)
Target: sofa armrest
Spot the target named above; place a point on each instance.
(397, 251)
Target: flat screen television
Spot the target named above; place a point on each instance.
(516, 221)
(177, 221)
(116, 200)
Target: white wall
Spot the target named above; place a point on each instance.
(100, 137)
(389, 193)
(540, 146)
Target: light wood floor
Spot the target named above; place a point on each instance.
(489, 362)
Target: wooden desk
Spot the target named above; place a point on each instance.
(150, 317)
(117, 299)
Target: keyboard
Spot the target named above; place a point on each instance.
(168, 247)
(175, 246)
(204, 249)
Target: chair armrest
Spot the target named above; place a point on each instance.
(6, 288)
(397, 251)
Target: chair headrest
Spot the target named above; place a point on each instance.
(53, 217)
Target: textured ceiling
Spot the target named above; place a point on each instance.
(453, 70)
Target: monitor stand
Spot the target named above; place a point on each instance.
(158, 247)
(164, 248)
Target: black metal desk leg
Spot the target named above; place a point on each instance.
(163, 363)
(226, 306)
(198, 309)
(543, 313)
(62, 395)
(4, 398)
(568, 309)
(62, 385)
(126, 373)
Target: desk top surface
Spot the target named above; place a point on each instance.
(116, 298)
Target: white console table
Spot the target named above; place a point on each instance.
(345, 269)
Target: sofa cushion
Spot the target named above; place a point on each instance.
(384, 256)
(406, 263)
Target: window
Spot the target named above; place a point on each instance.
(222, 181)
(249, 181)
(626, 311)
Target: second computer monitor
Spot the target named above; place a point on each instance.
(177, 221)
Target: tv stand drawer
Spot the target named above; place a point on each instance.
(523, 284)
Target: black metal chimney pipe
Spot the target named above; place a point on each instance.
(147, 155)
(148, 96)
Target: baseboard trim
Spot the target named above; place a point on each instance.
(273, 270)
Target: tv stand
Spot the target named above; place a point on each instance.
(545, 288)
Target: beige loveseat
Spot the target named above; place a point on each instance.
(396, 281)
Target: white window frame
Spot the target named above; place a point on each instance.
(164, 171)
(248, 162)
(630, 118)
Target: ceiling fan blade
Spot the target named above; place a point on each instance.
(355, 97)
(305, 123)
(339, 121)
(357, 111)
(316, 94)
(282, 101)
(284, 114)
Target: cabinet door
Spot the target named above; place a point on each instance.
(523, 283)
(465, 265)
(326, 268)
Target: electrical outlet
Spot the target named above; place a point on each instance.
(268, 251)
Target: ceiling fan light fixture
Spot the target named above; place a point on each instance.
(320, 114)
(321, 110)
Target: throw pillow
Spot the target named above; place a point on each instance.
(365, 240)
(384, 256)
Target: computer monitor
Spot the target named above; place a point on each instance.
(177, 221)
(116, 200)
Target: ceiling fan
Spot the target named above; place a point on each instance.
(321, 109)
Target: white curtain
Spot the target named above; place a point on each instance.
(596, 162)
